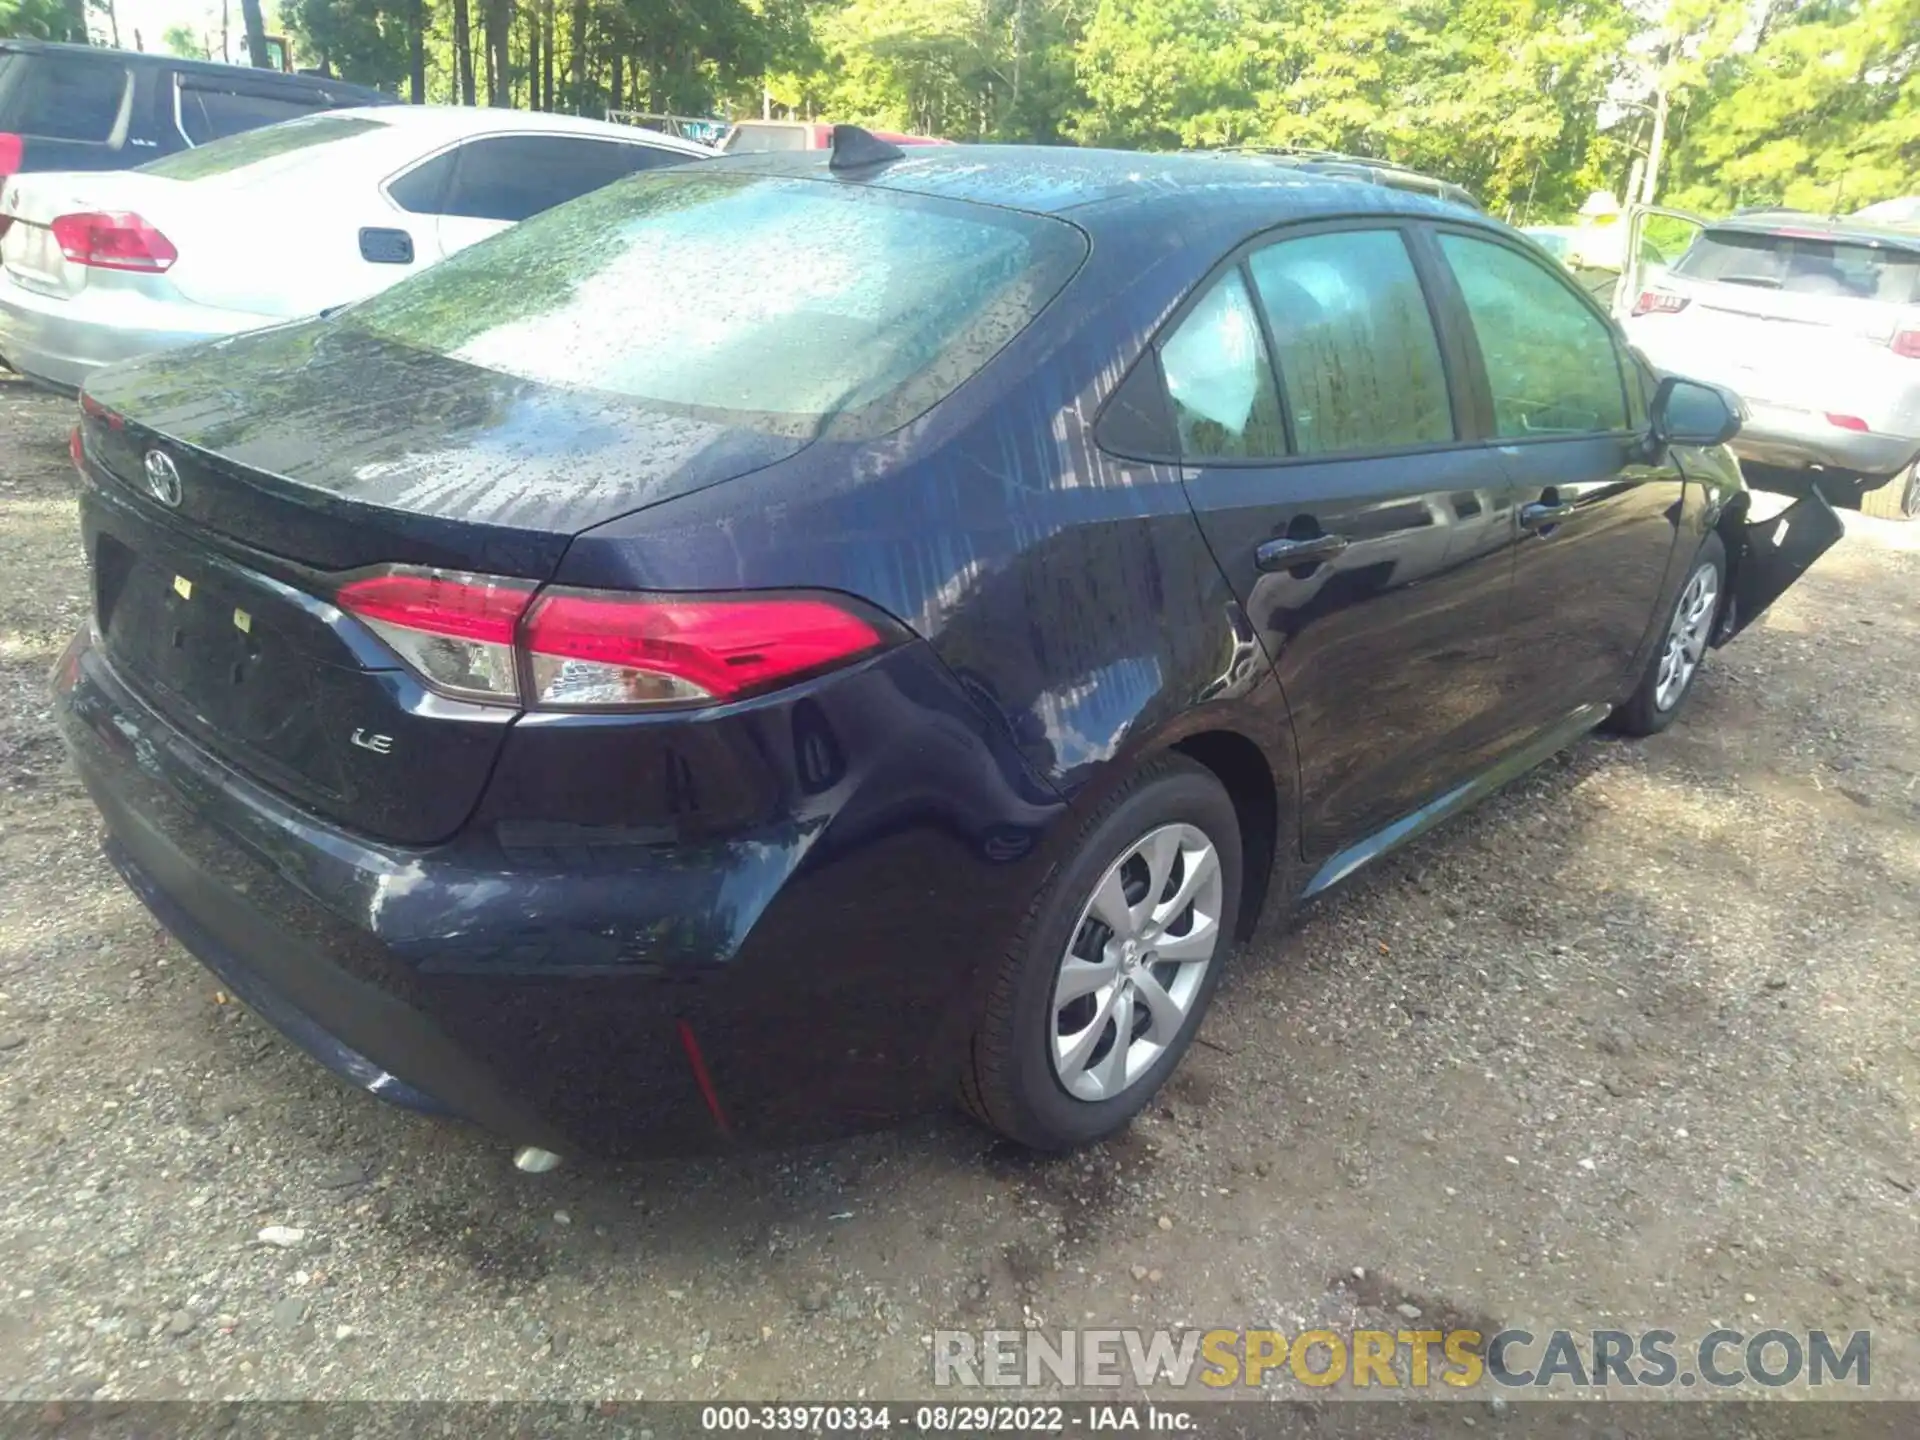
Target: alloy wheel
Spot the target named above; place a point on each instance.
(1134, 966)
(1687, 636)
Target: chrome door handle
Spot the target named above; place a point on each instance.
(1286, 554)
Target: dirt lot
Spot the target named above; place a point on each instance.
(1633, 1045)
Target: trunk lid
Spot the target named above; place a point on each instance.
(310, 451)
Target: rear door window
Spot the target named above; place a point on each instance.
(1359, 364)
(1225, 404)
(1804, 265)
(512, 177)
(212, 111)
(1550, 361)
(50, 96)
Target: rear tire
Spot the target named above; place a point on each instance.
(1898, 499)
(1049, 1066)
(1682, 649)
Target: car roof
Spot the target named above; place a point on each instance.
(1820, 227)
(106, 54)
(459, 121)
(1098, 186)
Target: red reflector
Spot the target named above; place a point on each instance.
(77, 450)
(698, 1063)
(604, 648)
(1659, 302)
(467, 607)
(1907, 343)
(13, 149)
(1847, 422)
(113, 241)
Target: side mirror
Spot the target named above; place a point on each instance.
(1687, 412)
(380, 246)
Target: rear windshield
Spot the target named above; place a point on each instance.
(1804, 265)
(775, 303)
(745, 139)
(50, 96)
(251, 147)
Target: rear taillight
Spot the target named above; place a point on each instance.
(13, 150)
(1659, 302)
(77, 450)
(113, 240)
(1847, 422)
(477, 637)
(1907, 343)
(455, 629)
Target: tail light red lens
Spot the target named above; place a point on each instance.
(13, 150)
(1659, 302)
(113, 240)
(77, 450)
(1847, 422)
(601, 649)
(1907, 343)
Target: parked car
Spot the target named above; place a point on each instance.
(1902, 211)
(83, 107)
(760, 135)
(1815, 322)
(638, 714)
(280, 223)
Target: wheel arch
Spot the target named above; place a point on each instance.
(1243, 772)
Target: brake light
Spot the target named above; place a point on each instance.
(1846, 422)
(474, 636)
(112, 419)
(599, 648)
(13, 150)
(455, 629)
(1907, 343)
(1659, 302)
(77, 450)
(113, 241)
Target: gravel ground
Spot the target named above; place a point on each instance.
(1632, 1045)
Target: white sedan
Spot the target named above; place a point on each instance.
(279, 223)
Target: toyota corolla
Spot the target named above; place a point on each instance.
(639, 711)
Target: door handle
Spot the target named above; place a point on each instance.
(1284, 554)
(1544, 514)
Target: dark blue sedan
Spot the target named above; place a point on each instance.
(772, 647)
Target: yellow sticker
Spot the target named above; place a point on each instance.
(183, 587)
(243, 621)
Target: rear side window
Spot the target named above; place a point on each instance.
(212, 112)
(845, 304)
(1550, 361)
(1224, 401)
(1804, 265)
(1359, 365)
(50, 96)
(254, 147)
(513, 177)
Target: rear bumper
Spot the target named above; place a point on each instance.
(60, 342)
(546, 988)
(1800, 439)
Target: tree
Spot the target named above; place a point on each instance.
(43, 20)
(182, 41)
(256, 34)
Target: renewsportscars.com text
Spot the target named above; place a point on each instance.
(1226, 1360)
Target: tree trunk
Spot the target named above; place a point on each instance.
(546, 54)
(1651, 184)
(76, 22)
(113, 19)
(256, 34)
(463, 52)
(615, 90)
(417, 51)
(579, 55)
(496, 19)
(533, 59)
(226, 28)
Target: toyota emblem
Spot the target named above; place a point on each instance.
(163, 478)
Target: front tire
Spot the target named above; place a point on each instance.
(1676, 660)
(1103, 988)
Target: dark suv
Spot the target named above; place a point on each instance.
(81, 107)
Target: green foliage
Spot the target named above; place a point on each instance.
(360, 40)
(43, 20)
